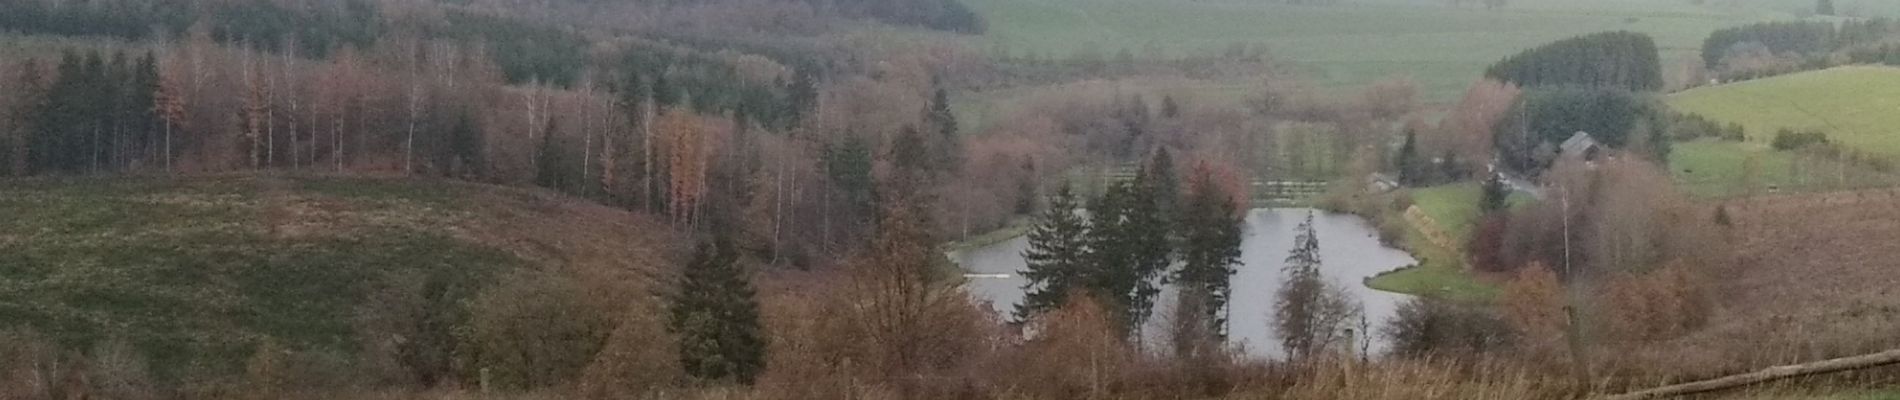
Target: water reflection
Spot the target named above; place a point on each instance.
(1349, 248)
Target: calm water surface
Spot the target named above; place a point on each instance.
(1349, 248)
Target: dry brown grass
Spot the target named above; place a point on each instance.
(1812, 278)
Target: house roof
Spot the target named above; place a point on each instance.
(1578, 144)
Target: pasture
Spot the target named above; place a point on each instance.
(1857, 106)
(1439, 47)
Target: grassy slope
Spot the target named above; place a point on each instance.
(1856, 106)
(195, 273)
(1441, 48)
(1716, 169)
(1442, 271)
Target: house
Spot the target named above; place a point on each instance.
(1581, 145)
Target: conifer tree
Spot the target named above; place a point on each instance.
(1210, 249)
(548, 171)
(1309, 312)
(1411, 168)
(1129, 253)
(1163, 184)
(716, 317)
(1056, 257)
(1296, 312)
(142, 105)
(949, 149)
(1495, 193)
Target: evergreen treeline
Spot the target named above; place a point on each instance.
(1121, 249)
(1621, 59)
(1801, 38)
(1775, 48)
(97, 115)
(1798, 37)
(524, 51)
(1617, 118)
(945, 15)
(712, 85)
(128, 19)
(265, 24)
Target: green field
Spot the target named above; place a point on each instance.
(1713, 169)
(1856, 106)
(1442, 271)
(1441, 48)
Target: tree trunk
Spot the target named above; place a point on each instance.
(168, 146)
(409, 143)
(646, 155)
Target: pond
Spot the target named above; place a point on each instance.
(1349, 249)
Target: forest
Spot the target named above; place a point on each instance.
(772, 199)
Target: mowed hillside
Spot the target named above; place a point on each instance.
(196, 275)
(1857, 106)
(1442, 48)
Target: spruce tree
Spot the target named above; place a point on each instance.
(548, 159)
(1057, 257)
(142, 105)
(1411, 168)
(1129, 251)
(716, 317)
(848, 165)
(1210, 249)
(1297, 311)
(1495, 193)
(949, 149)
(1163, 184)
(1026, 188)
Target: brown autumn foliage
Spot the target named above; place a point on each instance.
(1484, 249)
(1658, 305)
(1076, 351)
(1533, 302)
(689, 142)
(1623, 215)
(1467, 130)
(1419, 380)
(639, 357)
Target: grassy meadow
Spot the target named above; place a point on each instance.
(1441, 48)
(1857, 106)
(1721, 169)
(1441, 270)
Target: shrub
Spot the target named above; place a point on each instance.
(1485, 246)
(1076, 351)
(639, 358)
(532, 330)
(1424, 327)
(1792, 140)
(1694, 126)
(1533, 304)
(1662, 304)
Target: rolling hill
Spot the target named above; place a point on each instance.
(1441, 48)
(1857, 106)
(196, 274)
